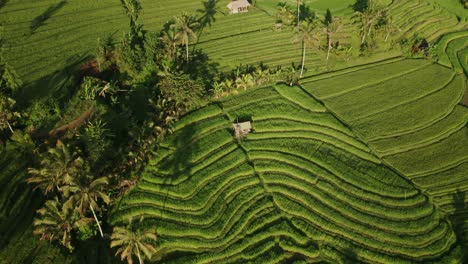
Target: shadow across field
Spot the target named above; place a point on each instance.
(60, 83)
(458, 220)
(3, 3)
(40, 20)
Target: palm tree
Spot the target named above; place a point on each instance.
(307, 34)
(170, 39)
(85, 195)
(6, 112)
(369, 19)
(208, 13)
(132, 243)
(331, 29)
(185, 27)
(132, 9)
(284, 13)
(55, 223)
(298, 2)
(217, 89)
(58, 167)
(390, 27)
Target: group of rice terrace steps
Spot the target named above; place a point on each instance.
(452, 51)
(408, 113)
(302, 186)
(247, 38)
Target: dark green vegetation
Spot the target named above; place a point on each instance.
(358, 152)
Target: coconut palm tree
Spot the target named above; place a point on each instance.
(299, 3)
(84, 195)
(390, 27)
(307, 33)
(132, 9)
(170, 39)
(208, 14)
(57, 168)
(130, 243)
(369, 18)
(284, 13)
(330, 30)
(55, 222)
(185, 27)
(6, 112)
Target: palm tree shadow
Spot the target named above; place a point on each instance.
(3, 3)
(208, 14)
(40, 20)
(458, 219)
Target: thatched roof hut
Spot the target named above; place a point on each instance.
(242, 129)
(238, 6)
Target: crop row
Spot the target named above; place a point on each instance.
(298, 96)
(438, 156)
(382, 97)
(252, 96)
(279, 164)
(348, 145)
(333, 224)
(352, 80)
(199, 115)
(220, 161)
(388, 232)
(372, 190)
(404, 120)
(453, 122)
(313, 119)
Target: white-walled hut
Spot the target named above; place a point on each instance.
(242, 129)
(238, 6)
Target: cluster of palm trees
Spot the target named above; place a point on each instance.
(184, 28)
(243, 81)
(309, 33)
(75, 199)
(9, 83)
(64, 177)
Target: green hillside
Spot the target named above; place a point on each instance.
(301, 186)
(118, 144)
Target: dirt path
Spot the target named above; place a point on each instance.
(58, 132)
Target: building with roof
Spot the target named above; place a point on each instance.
(242, 129)
(238, 6)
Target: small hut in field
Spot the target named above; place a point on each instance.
(242, 129)
(238, 6)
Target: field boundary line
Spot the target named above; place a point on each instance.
(401, 74)
(438, 89)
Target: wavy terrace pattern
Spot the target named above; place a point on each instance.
(301, 186)
(415, 125)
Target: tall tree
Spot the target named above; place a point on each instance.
(85, 195)
(57, 167)
(208, 14)
(307, 33)
(133, 242)
(55, 222)
(185, 27)
(328, 17)
(170, 40)
(284, 13)
(132, 9)
(330, 30)
(369, 19)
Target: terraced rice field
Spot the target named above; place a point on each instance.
(423, 19)
(413, 122)
(40, 49)
(452, 50)
(301, 187)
